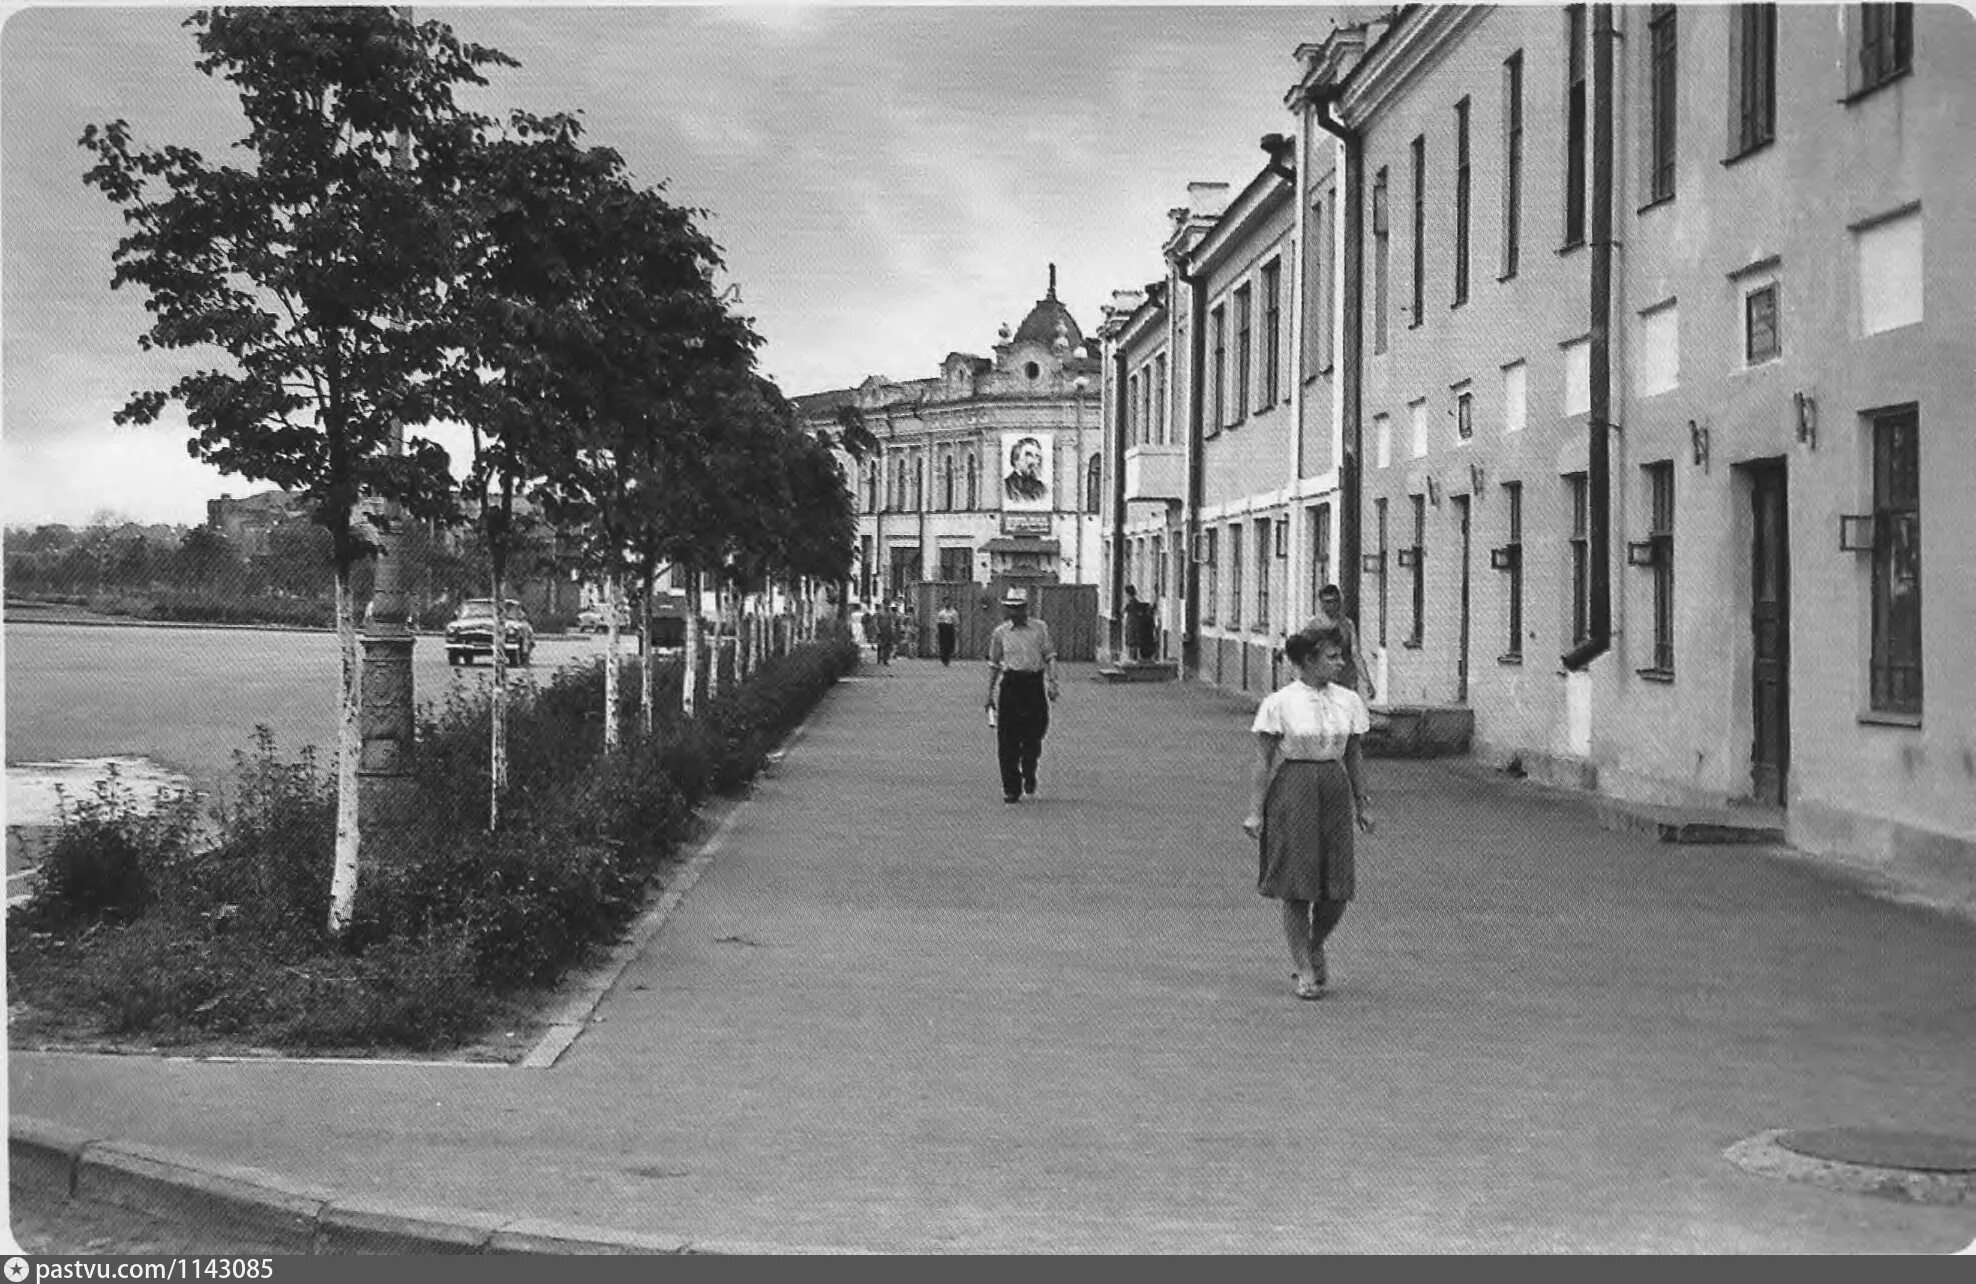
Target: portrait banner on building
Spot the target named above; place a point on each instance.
(1027, 466)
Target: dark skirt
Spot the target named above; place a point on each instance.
(1307, 832)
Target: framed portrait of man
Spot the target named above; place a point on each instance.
(1026, 472)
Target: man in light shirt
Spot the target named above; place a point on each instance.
(1022, 660)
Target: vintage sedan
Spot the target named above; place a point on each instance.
(472, 632)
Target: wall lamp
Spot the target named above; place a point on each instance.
(1807, 419)
(1698, 443)
(1641, 552)
(1434, 492)
(1372, 563)
(1505, 558)
(1856, 533)
(1475, 475)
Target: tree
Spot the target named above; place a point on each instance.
(206, 559)
(319, 270)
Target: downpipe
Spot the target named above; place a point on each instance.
(1351, 476)
(1197, 353)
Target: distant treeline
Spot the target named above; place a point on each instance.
(197, 574)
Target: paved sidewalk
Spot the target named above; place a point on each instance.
(898, 1014)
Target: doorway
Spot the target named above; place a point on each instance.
(1462, 503)
(1770, 633)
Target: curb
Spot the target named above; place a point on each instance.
(310, 1221)
(1763, 1156)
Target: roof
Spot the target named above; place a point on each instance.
(1041, 325)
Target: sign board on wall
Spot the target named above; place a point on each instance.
(1027, 467)
(1026, 524)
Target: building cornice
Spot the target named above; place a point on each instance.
(1268, 194)
(1421, 36)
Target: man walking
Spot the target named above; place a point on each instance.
(947, 623)
(1357, 672)
(1021, 660)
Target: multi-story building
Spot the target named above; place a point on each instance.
(988, 470)
(1641, 329)
(247, 521)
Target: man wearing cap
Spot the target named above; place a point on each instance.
(1021, 660)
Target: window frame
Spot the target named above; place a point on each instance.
(1896, 641)
(1513, 607)
(1463, 180)
(1382, 262)
(1211, 597)
(1235, 560)
(1218, 323)
(1878, 56)
(1663, 102)
(1465, 414)
(1159, 398)
(1417, 627)
(1576, 140)
(1753, 61)
(1265, 562)
(1419, 231)
(1244, 351)
(1272, 333)
(1579, 549)
(1660, 537)
(1094, 483)
(1751, 357)
(1512, 228)
(1320, 542)
(1380, 512)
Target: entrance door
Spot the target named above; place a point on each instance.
(1770, 634)
(1461, 654)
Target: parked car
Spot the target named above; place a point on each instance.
(472, 632)
(595, 619)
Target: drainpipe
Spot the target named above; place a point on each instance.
(1197, 353)
(1118, 502)
(1351, 376)
(1599, 457)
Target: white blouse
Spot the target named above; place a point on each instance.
(1315, 722)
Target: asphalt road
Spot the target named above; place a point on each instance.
(187, 698)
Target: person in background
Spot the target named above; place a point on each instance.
(886, 633)
(1138, 626)
(1307, 799)
(947, 624)
(1357, 672)
(1021, 661)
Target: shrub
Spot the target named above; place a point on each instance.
(107, 852)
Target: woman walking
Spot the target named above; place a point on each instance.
(1308, 797)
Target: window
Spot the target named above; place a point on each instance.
(1382, 247)
(919, 482)
(1577, 376)
(1317, 290)
(1157, 431)
(1235, 575)
(1574, 125)
(1418, 628)
(899, 484)
(1660, 537)
(1157, 556)
(1512, 162)
(947, 483)
(1382, 440)
(1212, 594)
(871, 489)
(1417, 413)
(1753, 56)
(1219, 322)
(1132, 428)
(1244, 350)
(1379, 514)
(1888, 259)
(1883, 45)
(1320, 543)
(1265, 571)
(1659, 367)
(1896, 664)
(1516, 406)
(1094, 484)
(1419, 230)
(1461, 202)
(1660, 103)
(1513, 612)
(973, 482)
(957, 565)
(1760, 339)
(1272, 332)
(1577, 498)
(1464, 415)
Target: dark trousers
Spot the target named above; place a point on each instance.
(1022, 719)
(946, 644)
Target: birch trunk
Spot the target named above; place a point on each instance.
(611, 598)
(349, 752)
(690, 678)
(497, 721)
(645, 658)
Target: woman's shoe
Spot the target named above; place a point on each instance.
(1309, 987)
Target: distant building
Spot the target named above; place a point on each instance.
(246, 522)
(988, 470)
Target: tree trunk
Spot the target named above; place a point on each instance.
(645, 657)
(497, 722)
(690, 679)
(611, 599)
(349, 751)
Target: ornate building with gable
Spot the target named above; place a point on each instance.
(987, 470)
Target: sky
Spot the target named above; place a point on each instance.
(887, 183)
